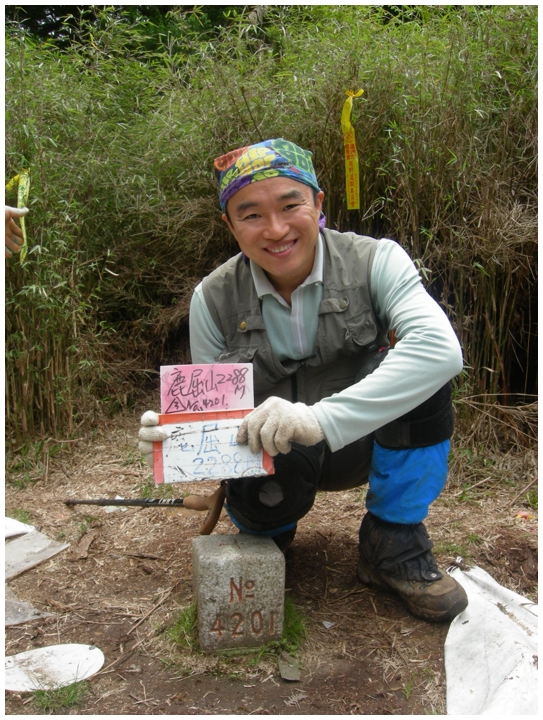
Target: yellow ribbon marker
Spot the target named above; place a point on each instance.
(352, 182)
(23, 191)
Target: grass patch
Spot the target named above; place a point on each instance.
(183, 630)
(294, 633)
(150, 491)
(408, 687)
(23, 481)
(452, 549)
(86, 522)
(181, 670)
(362, 494)
(21, 515)
(294, 630)
(531, 499)
(60, 698)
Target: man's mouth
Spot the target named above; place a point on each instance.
(281, 248)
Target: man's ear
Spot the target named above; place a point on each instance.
(227, 221)
(319, 200)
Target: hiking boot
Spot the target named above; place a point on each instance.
(436, 600)
(398, 557)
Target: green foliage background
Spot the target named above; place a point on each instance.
(119, 129)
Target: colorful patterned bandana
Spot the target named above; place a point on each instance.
(268, 159)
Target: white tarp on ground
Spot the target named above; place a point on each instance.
(18, 612)
(51, 667)
(29, 550)
(491, 650)
(14, 527)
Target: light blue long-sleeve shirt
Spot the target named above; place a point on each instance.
(427, 353)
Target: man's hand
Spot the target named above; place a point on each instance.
(276, 423)
(14, 234)
(149, 433)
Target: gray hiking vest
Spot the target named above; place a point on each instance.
(348, 331)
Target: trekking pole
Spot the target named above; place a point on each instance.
(213, 504)
(149, 502)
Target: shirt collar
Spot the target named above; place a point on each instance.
(264, 287)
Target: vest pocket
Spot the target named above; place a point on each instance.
(360, 332)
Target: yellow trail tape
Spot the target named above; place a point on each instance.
(352, 181)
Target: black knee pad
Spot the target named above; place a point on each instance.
(428, 424)
(266, 503)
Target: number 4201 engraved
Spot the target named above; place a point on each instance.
(256, 624)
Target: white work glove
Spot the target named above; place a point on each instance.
(276, 423)
(149, 433)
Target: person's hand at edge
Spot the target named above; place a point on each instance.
(150, 432)
(14, 234)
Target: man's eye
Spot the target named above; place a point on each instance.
(290, 207)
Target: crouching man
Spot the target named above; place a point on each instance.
(311, 309)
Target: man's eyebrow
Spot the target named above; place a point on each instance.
(290, 195)
(243, 206)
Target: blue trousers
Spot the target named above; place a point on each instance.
(402, 484)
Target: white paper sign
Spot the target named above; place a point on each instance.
(206, 450)
(198, 388)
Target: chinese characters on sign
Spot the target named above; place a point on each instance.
(206, 450)
(352, 182)
(202, 408)
(198, 388)
(351, 172)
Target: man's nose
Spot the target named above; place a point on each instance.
(276, 227)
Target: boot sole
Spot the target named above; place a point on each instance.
(459, 606)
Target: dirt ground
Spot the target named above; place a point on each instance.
(375, 659)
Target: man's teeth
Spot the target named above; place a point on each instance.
(282, 248)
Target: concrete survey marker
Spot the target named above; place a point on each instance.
(239, 586)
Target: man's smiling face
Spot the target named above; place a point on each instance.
(276, 224)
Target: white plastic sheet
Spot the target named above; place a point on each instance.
(29, 550)
(18, 612)
(491, 650)
(14, 527)
(51, 667)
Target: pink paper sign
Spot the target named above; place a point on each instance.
(198, 388)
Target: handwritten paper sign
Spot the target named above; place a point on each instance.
(197, 388)
(203, 446)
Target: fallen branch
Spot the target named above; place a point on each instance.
(152, 610)
(124, 656)
(523, 491)
(481, 482)
(82, 551)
